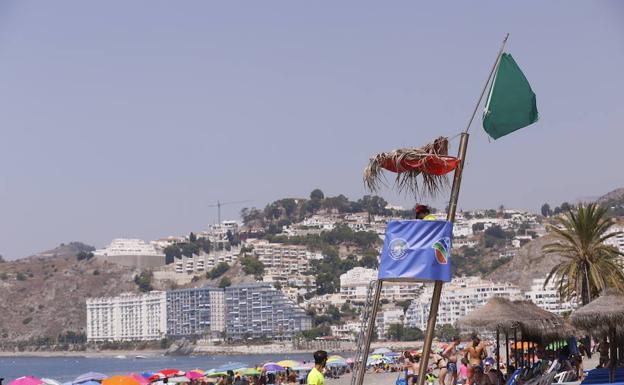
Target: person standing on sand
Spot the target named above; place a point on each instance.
(475, 353)
(450, 354)
(411, 368)
(315, 377)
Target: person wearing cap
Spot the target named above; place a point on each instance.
(423, 213)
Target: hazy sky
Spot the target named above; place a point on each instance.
(129, 118)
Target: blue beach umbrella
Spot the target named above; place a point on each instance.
(89, 376)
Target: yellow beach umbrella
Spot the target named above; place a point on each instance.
(289, 363)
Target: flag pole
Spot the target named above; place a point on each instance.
(500, 53)
(457, 178)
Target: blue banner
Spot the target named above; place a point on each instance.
(417, 249)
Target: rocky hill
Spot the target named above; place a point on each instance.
(526, 265)
(614, 201)
(64, 250)
(44, 295)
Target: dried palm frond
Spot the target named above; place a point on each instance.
(408, 180)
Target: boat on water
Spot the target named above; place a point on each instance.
(140, 357)
(121, 357)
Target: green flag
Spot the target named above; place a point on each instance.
(511, 103)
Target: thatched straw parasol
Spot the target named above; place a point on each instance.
(541, 325)
(535, 323)
(431, 163)
(496, 313)
(604, 315)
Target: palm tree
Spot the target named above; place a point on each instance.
(589, 265)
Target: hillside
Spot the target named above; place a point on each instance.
(65, 250)
(44, 296)
(526, 265)
(614, 201)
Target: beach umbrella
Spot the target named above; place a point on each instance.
(171, 372)
(147, 374)
(50, 381)
(273, 367)
(307, 366)
(214, 373)
(335, 357)
(194, 374)
(89, 376)
(231, 366)
(139, 378)
(289, 363)
(523, 345)
(156, 377)
(179, 379)
(350, 360)
(337, 364)
(120, 380)
(249, 372)
(26, 380)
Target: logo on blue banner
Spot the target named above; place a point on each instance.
(398, 246)
(419, 250)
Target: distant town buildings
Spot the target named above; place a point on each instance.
(205, 261)
(237, 312)
(282, 263)
(195, 312)
(459, 297)
(618, 240)
(354, 286)
(261, 311)
(132, 253)
(548, 297)
(128, 317)
(387, 317)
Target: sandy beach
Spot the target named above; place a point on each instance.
(369, 379)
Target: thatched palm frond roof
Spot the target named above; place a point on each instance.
(534, 323)
(496, 313)
(602, 313)
(542, 325)
(419, 182)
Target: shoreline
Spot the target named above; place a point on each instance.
(206, 350)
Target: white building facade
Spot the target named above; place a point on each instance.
(127, 317)
(354, 286)
(618, 240)
(282, 262)
(132, 253)
(547, 297)
(459, 297)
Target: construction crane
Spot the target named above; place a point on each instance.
(219, 204)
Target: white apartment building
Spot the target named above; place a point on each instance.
(127, 317)
(131, 252)
(618, 240)
(354, 286)
(205, 262)
(347, 331)
(282, 262)
(387, 317)
(320, 222)
(459, 297)
(547, 297)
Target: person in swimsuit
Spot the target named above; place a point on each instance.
(411, 368)
(475, 353)
(450, 354)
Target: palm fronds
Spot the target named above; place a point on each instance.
(589, 266)
(408, 179)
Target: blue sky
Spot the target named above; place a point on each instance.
(124, 119)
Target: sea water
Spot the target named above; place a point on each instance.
(67, 368)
